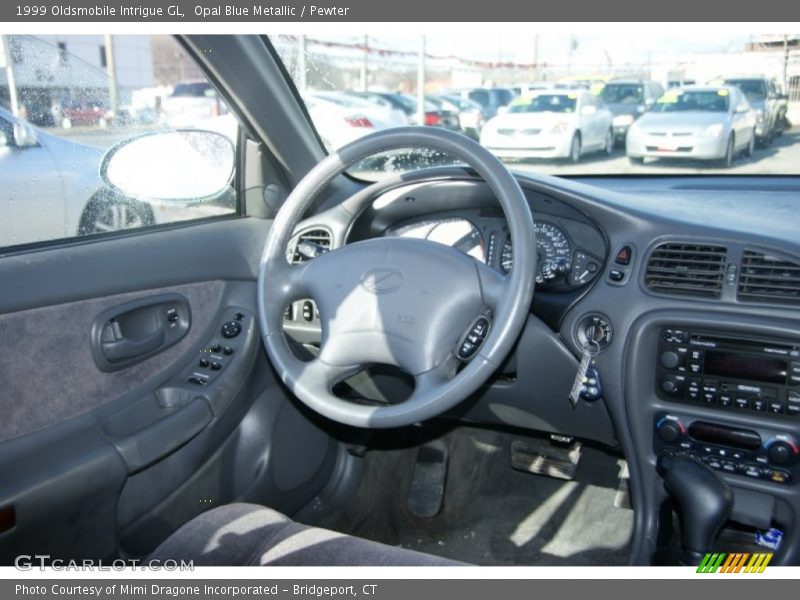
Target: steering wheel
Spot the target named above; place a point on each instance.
(429, 309)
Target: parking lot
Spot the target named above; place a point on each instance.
(780, 158)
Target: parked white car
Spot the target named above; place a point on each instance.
(551, 124)
(340, 121)
(697, 122)
(381, 114)
(191, 102)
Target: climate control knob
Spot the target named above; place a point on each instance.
(670, 359)
(669, 431)
(781, 453)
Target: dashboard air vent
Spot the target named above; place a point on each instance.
(686, 269)
(311, 244)
(766, 278)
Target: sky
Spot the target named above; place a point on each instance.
(633, 44)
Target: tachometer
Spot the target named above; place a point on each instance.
(553, 253)
(456, 232)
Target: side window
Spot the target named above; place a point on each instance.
(85, 116)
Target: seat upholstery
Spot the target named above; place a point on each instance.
(248, 534)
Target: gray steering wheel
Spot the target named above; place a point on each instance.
(418, 305)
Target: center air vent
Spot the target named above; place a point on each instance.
(686, 269)
(766, 278)
(311, 244)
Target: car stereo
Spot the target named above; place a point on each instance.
(729, 372)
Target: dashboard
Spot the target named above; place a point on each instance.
(716, 261)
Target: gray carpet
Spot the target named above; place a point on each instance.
(491, 515)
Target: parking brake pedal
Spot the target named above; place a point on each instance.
(426, 492)
(546, 458)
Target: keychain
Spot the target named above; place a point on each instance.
(590, 350)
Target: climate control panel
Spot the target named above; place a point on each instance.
(751, 453)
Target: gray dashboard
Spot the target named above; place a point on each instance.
(602, 216)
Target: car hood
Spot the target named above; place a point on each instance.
(540, 120)
(625, 109)
(689, 120)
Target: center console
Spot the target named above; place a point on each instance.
(747, 376)
(729, 373)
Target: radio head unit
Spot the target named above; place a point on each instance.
(729, 372)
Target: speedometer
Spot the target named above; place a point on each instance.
(553, 252)
(457, 233)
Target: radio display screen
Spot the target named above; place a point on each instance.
(741, 366)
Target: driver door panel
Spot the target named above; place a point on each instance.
(105, 463)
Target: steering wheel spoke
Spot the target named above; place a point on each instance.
(494, 286)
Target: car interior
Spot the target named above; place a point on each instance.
(459, 364)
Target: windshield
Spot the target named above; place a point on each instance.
(615, 93)
(754, 89)
(561, 102)
(558, 103)
(685, 101)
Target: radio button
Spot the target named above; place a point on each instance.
(793, 397)
(742, 402)
(759, 404)
(725, 400)
(793, 409)
(696, 355)
(695, 368)
(709, 397)
(710, 386)
(776, 408)
(670, 359)
(694, 390)
(794, 368)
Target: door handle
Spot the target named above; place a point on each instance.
(132, 332)
(125, 348)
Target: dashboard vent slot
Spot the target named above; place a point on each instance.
(311, 244)
(766, 278)
(686, 269)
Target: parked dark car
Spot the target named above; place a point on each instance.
(628, 100)
(765, 97)
(490, 99)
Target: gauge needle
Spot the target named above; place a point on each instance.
(584, 274)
